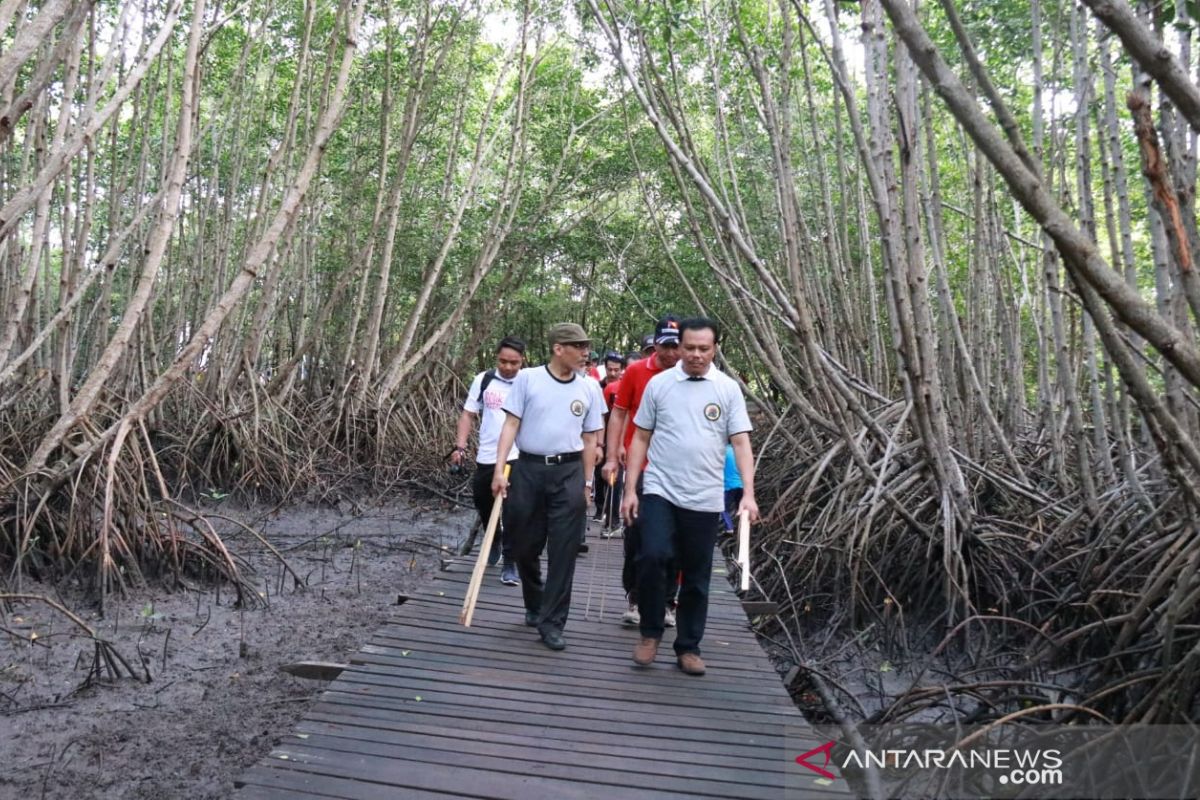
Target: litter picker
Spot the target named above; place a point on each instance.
(485, 547)
(743, 554)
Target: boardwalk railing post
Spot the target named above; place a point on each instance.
(485, 548)
(743, 554)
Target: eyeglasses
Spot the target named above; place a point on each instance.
(577, 345)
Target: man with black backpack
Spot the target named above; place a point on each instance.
(485, 399)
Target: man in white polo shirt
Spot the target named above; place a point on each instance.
(554, 417)
(485, 400)
(687, 415)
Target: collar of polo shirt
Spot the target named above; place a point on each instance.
(681, 375)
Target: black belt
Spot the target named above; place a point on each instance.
(561, 458)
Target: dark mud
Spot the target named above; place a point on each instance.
(216, 700)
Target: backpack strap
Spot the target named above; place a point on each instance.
(483, 384)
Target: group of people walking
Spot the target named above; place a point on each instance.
(648, 438)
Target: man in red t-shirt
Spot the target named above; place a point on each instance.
(620, 434)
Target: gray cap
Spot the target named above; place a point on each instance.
(568, 333)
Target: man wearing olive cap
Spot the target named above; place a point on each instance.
(554, 416)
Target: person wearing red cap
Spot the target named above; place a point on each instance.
(664, 355)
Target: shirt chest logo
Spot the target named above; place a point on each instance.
(577, 408)
(712, 412)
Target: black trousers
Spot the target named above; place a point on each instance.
(546, 511)
(675, 536)
(481, 493)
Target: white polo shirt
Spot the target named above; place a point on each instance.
(554, 414)
(692, 420)
(491, 415)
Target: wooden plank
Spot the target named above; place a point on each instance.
(716, 696)
(674, 756)
(499, 759)
(461, 781)
(552, 689)
(370, 722)
(721, 654)
(768, 736)
(596, 673)
(594, 708)
(431, 709)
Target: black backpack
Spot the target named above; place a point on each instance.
(483, 384)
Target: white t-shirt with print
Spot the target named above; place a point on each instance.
(692, 419)
(491, 415)
(554, 414)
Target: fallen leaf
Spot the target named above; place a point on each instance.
(885, 666)
(405, 652)
(823, 781)
(418, 698)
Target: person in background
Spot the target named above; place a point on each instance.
(687, 416)
(613, 366)
(554, 417)
(664, 349)
(733, 489)
(606, 501)
(484, 402)
(593, 369)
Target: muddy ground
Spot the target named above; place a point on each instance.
(216, 700)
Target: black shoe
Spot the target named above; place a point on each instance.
(583, 548)
(531, 618)
(554, 640)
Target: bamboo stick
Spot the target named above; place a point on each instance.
(485, 547)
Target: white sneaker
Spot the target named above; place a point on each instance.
(631, 616)
(669, 618)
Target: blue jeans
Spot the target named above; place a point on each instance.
(675, 538)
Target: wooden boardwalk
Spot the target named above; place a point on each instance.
(430, 709)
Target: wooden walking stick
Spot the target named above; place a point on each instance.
(485, 547)
(743, 555)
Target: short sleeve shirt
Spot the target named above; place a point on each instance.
(554, 414)
(491, 415)
(630, 388)
(692, 420)
(610, 394)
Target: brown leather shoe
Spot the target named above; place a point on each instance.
(691, 663)
(645, 651)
